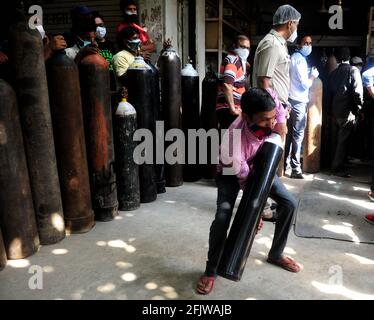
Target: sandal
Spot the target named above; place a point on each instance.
(205, 285)
(286, 263)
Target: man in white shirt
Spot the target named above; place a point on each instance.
(300, 83)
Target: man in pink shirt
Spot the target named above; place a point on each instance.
(261, 111)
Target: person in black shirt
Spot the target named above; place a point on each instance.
(106, 47)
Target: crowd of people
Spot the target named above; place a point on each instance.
(278, 102)
(88, 35)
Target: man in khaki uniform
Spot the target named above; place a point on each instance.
(272, 62)
(271, 69)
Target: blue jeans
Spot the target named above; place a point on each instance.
(296, 129)
(228, 189)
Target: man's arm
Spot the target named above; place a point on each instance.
(228, 91)
(263, 82)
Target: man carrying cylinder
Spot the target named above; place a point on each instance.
(261, 112)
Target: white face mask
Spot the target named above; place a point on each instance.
(41, 30)
(101, 32)
(130, 13)
(293, 36)
(242, 53)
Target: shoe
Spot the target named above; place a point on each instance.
(297, 175)
(370, 218)
(371, 195)
(205, 285)
(286, 263)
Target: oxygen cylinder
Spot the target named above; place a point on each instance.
(171, 87)
(27, 60)
(127, 169)
(17, 216)
(159, 168)
(190, 120)
(139, 79)
(3, 258)
(243, 230)
(209, 118)
(67, 118)
(97, 116)
(312, 140)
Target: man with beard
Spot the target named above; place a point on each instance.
(129, 9)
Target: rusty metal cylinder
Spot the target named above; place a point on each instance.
(17, 216)
(3, 258)
(312, 138)
(191, 121)
(127, 169)
(209, 119)
(67, 118)
(28, 67)
(171, 99)
(139, 83)
(97, 115)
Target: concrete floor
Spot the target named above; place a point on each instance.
(159, 251)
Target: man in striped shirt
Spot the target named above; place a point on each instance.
(233, 76)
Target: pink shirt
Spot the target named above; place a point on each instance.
(236, 157)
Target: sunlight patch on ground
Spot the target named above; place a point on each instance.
(122, 245)
(342, 230)
(123, 265)
(361, 189)
(101, 243)
(151, 286)
(22, 263)
(106, 288)
(341, 290)
(158, 298)
(360, 259)
(48, 269)
(129, 277)
(60, 252)
(360, 203)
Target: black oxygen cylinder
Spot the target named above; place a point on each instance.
(139, 84)
(3, 258)
(209, 118)
(243, 230)
(97, 116)
(27, 61)
(156, 94)
(191, 120)
(17, 216)
(171, 99)
(127, 170)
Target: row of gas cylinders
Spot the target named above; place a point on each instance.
(66, 155)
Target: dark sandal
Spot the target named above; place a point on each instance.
(205, 285)
(286, 263)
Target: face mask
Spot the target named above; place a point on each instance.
(293, 36)
(83, 43)
(260, 132)
(131, 17)
(306, 50)
(133, 45)
(41, 30)
(101, 32)
(242, 53)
